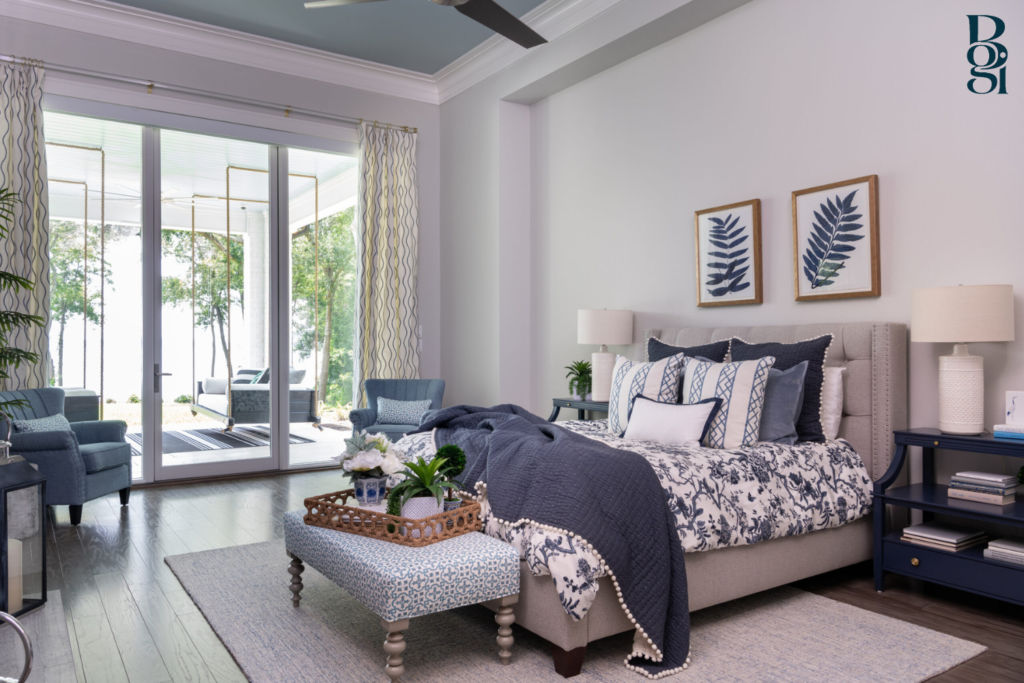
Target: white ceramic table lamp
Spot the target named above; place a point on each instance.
(603, 327)
(958, 315)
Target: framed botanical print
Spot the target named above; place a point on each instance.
(729, 254)
(835, 240)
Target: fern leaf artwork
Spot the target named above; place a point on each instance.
(727, 273)
(832, 240)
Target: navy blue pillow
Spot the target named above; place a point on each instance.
(714, 352)
(808, 426)
(783, 401)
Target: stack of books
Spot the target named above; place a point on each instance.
(1009, 432)
(982, 487)
(1006, 550)
(943, 536)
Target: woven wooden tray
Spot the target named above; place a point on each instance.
(330, 512)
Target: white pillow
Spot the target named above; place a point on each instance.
(832, 402)
(213, 385)
(741, 386)
(658, 380)
(670, 424)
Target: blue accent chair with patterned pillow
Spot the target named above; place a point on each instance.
(89, 460)
(396, 390)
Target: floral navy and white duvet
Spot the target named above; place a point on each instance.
(720, 498)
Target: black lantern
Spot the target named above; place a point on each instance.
(22, 536)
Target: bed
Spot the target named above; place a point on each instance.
(875, 403)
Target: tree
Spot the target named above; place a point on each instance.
(336, 301)
(210, 269)
(67, 277)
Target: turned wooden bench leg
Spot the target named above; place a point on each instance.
(295, 569)
(505, 618)
(394, 646)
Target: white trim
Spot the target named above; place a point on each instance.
(551, 19)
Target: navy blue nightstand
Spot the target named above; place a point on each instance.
(968, 569)
(581, 406)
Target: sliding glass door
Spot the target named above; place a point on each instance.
(214, 311)
(216, 385)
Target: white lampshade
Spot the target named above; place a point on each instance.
(963, 314)
(604, 327)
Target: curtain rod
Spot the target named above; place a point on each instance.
(153, 85)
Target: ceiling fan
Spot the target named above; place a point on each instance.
(487, 12)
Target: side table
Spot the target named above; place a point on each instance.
(581, 406)
(967, 569)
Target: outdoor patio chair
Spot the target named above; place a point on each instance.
(91, 460)
(399, 390)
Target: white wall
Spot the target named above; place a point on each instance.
(775, 96)
(71, 48)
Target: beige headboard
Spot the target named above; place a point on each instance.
(874, 384)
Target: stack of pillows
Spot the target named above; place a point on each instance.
(780, 393)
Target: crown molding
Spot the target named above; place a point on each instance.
(121, 22)
(551, 19)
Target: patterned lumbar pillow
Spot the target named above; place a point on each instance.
(392, 412)
(741, 387)
(814, 351)
(658, 381)
(53, 423)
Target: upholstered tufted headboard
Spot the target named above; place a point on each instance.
(874, 384)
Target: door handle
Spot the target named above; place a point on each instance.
(156, 377)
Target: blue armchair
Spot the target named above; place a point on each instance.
(399, 390)
(90, 461)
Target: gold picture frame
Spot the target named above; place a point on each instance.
(828, 234)
(726, 288)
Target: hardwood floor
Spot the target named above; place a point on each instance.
(130, 620)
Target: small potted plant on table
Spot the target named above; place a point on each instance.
(369, 460)
(420, 494)
(454, 464)
(580, 380)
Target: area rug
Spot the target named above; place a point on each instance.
(781, 635)
(191, 440)
(47, 628)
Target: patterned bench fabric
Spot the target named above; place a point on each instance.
(398, 582)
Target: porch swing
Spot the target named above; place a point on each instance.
(245, 398)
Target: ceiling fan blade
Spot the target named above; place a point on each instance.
(498, 19)
(334, 3)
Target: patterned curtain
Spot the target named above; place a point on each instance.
(386, 344)
(27, 250)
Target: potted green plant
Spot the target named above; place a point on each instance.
(421, 493)
(455, 463)
(369, 460)
(580, 380)
(12, 357)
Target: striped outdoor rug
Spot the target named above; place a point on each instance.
(189, 440)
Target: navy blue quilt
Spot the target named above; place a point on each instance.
(612, 498)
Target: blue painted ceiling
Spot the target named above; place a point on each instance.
(410, 34)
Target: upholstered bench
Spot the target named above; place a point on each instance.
(398, 583)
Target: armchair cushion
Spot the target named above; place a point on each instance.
(100, 431)
(53, 423)
(103, 456)
(393, 432)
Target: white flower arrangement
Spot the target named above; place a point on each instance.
(370, 456)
